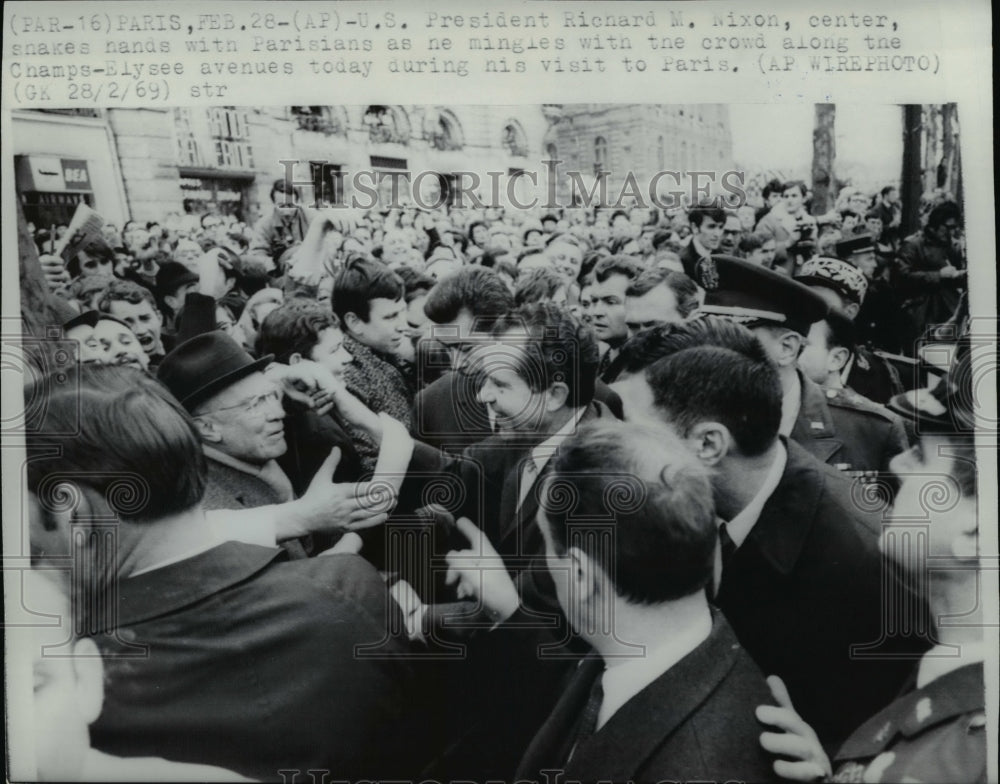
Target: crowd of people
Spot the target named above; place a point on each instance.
(463, 494)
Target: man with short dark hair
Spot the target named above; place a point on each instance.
(462, 309)
(706, 223)
(135, 306)
(732, 233)
(801, 577)
(669, 695)
(659, 296)
(368, 299)
(612, 277)
(232, 633)
(790, 225)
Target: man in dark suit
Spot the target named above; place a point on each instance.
(539, 373)
(802, 580)
(630, 541)
(448, 412)
(211, 648)
(707, 224)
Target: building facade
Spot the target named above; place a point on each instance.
(144, 164)
(641, 139)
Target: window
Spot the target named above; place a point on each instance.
(600, 155)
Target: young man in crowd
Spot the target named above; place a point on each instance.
(706, 223)
(286, 225)
(135, 306)
(659, 296)
(612, 277)
(667, 671)
(368, 300)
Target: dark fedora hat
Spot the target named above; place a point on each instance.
(205, 365)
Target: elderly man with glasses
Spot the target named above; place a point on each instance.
(239, 414)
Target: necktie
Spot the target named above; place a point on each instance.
(529, 472)
(588, 719)
(727, 545)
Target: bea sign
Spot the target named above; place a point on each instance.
(76, 176)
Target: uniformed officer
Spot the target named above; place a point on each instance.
(936, 730)
(844, 286)
(880, 317)
(780, 311)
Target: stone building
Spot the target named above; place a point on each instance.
(144, 164)
(642, 139)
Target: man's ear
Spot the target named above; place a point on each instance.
(789, 347)
(89, 671)
(836, 359)
(556, 396)
(171, 302)
(710, 442)
(295, 358)
(159, 316)
(351, 322)
(585, 576)
(851, 310)
(207, 430)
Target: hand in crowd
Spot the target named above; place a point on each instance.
(804, 758)
(211, 274)
(257, 307)
(54, 270)
(950, 273)
(480, 573)
(330, 506)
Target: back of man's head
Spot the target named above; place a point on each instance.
(294, 328)
(714, 384)
(119, 433)
(477, 290)
(654, 497)
(650, 345)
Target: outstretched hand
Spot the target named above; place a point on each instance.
(480, 573)
(804, 758)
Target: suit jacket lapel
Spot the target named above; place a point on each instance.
(554, 740)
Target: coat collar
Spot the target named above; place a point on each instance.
(815, 421)
(785, 522)
(512, 517)
(958, 692)
(639, 727)
(180, 584)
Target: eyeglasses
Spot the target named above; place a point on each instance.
(253, 406)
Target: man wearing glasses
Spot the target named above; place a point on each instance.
(239, 414)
